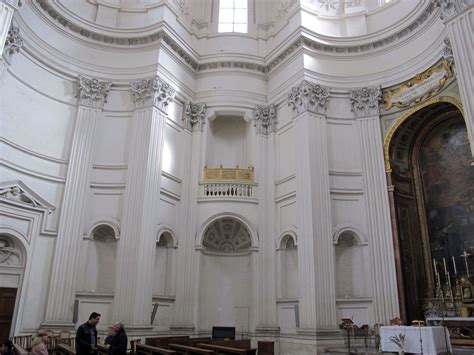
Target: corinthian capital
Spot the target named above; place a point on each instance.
(92, 92)
(365, 101)
(193, 116)
(265, 119)
(308, 97)
(14, 41)
(451, 8)
(152, 91)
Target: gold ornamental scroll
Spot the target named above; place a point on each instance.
(229, 174)
(421, 87)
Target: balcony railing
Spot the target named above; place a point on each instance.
(228, 182)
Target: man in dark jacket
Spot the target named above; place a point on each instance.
(119, 342)
(86, 336)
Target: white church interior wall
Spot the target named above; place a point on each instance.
(285, 153)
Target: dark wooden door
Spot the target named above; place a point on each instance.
(7, 306)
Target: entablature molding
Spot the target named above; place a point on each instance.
(264, 64)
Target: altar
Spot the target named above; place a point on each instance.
(435, 340)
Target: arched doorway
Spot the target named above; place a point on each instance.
(12, 262)
(225, 287)
(432, 204)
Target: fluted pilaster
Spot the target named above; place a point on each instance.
(315, 250)
(385, 296)
(136, 251)
(62, 290)
(188, 261)
(265, 123)
(458, 17)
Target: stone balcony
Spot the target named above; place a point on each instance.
(228, 183)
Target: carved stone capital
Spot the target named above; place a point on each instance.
(365, 101)
(448, 50)
(14, 41)
(193, 116)
(265, 119)
(92, 92)
(308, 97)
(152, 91)
(451, 8)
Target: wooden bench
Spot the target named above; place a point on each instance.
(65, 349)
(163, 341)
(184, 349)
(19, 350)
(191, 341)
(240, 344)
(150, 350)
(228, 350)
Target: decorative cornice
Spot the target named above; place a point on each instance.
(14, 41)
(285, 52)
(265, 119)
(152, 91)
(92, 92)
(452, 8)
(365, 101)
(308, 97)
(193, 116)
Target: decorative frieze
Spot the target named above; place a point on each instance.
(193, 116)
(265, 119)
(152, 91)
(308, 97)
(14, 41)
(365, 101)
(92, 92)
(10, 255)
(451, 8)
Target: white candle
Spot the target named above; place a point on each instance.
(454, 265)
(445, 268)
(439, 280)
(449, 280)
(434, 266)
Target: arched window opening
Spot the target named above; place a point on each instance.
(288, 268)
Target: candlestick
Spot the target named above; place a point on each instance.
(445, 268)
(454, 265)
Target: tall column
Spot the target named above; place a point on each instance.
(265, 123)
(458, 15)
(137, 246)
(92, 95)
(315, 250)
(365, 105)
(188, 268)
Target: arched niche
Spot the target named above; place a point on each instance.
(100, 259)
(287, 268)
(164, 255)
(351, 272)
(428, 158)
(225, 274)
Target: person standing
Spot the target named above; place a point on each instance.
(119, 342)
(38, 345)
(86, 336)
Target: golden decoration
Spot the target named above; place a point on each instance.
(229, 174)
(398, 122)
(390, 95)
